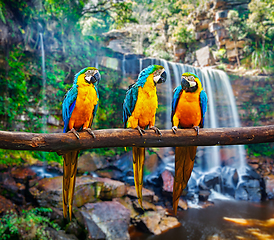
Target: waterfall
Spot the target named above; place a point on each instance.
(222, 110)
(44, 119)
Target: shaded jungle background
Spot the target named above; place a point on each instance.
(68, 35)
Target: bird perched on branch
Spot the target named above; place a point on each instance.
(79, 108)
(189, 105)
(139, 111)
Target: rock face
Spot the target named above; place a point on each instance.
(106, 220)
(209, 24)
(204, 57)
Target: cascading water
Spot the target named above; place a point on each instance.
(44, 120)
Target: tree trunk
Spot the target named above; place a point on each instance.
(63, 142)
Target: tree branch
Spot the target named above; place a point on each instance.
(62, 142)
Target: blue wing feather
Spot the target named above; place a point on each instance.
(96, 106)
(175, 100)
(203, 104)
(129, 102)
(68, 105)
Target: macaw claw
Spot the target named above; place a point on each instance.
(90, 132)
(196, 128)
(74, 132)
(141, 131)
(156, 130)
(174, 129)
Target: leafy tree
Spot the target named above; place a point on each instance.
(236, 28)
(261, 27)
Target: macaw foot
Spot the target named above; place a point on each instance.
(74, 132)
(174, 129)
(90, 132)
(196, 128)
(156, 130)
(141, 131)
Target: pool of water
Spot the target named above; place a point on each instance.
(216, 222)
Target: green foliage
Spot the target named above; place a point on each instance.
(29, 224)
(261, 58)
(14, 157)
(110, 111)
(2, 10)
(183, 34)
(260, 29)
(261, 149)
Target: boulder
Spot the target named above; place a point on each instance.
(203, 195)
(6, 205)
(111, 218)
(182, 204)
(147, 194)
(126, 202)
(10, 189)
(87, 189)
(155, 223)
(269, 186)
(60, 235)
(22, 174)
(249, 190)
(168, 181)
(90, 162)
(147, 206)
(151, 162)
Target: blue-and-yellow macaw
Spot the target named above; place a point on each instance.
(189, 105)
(139, 111)
(79, 108)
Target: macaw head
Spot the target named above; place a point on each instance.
(91, 75)
(159, 74)
(190, 82)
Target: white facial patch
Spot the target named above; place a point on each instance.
(89, 74)
(157, 76)
(192, 84)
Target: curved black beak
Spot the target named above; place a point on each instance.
(185, 84)
(162, 78)
(96, 78)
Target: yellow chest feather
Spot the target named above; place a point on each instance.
(85, 102)
(188, 109)
(147, 103)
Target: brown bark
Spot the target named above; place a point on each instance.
(62, 142)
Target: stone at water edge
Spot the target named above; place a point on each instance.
(155, 223)
(269, 186)
(182, 204)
